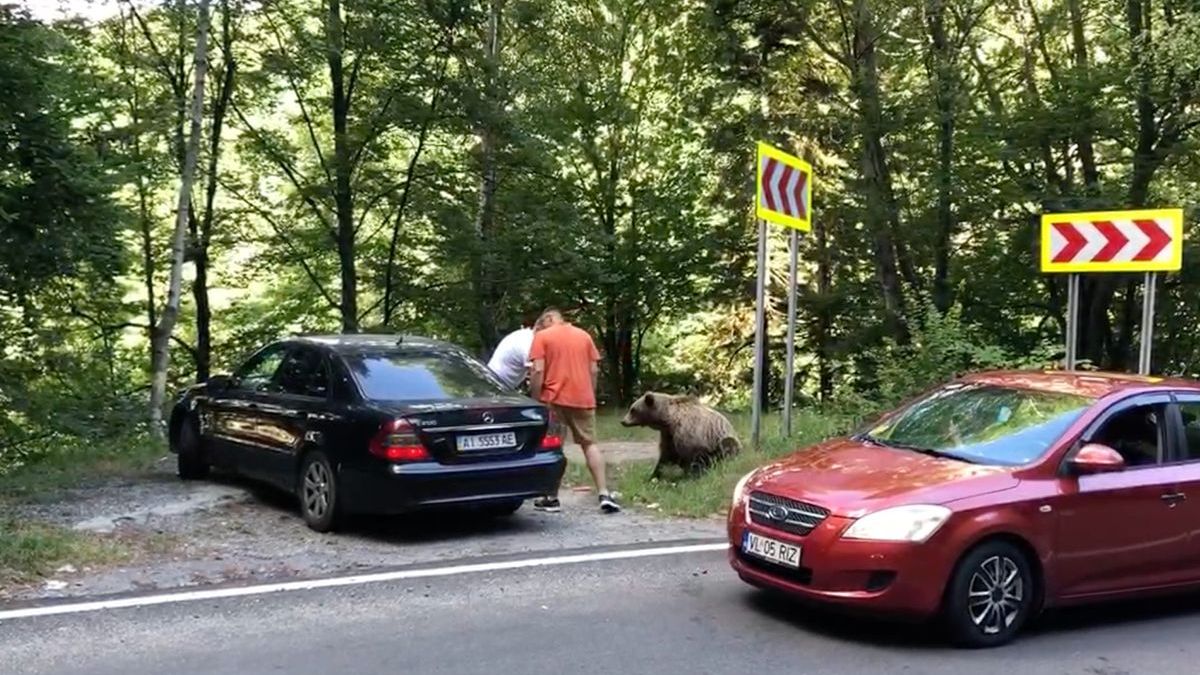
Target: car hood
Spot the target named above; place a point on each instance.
(851, 478)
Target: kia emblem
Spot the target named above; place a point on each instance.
(488, 418)
(778, 513)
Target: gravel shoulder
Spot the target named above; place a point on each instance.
(228, 530)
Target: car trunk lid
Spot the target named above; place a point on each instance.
(472, 430)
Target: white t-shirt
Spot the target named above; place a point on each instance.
(511, 359)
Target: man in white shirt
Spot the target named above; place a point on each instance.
(510, 361)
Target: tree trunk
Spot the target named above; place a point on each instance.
(160, 338)
(398, 216)
(343, 194)
(882, 210)
(203, 238)
(1145, 160)
(1084, 119)
(485, 220)
(945, 93)
(824, 312)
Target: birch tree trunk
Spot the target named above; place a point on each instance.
(160, 337)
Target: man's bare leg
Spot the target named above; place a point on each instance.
(595, 464)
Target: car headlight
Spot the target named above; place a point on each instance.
(914, 523)
(740, 489)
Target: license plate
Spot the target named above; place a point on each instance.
(506, 439)
(770, 549)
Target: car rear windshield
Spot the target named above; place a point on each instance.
(421, 376)
(983, 423)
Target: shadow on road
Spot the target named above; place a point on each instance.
(842, 626)
(426, 526)
(929, 635)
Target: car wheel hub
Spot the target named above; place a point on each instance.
(316, 489)
(995, 595)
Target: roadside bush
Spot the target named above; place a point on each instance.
(942, 347)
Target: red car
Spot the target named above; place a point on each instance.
(985, 501)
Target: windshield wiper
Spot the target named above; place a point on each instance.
(875, 440)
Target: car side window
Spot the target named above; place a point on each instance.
(257, 373)
(1138, 434)
(1190, 412)
(303, 373)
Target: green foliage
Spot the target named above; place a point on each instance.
(620, 137)
(943, 347)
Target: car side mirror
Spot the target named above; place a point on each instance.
(1095, 458)
(220, 383)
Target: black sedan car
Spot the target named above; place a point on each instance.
(370, 424)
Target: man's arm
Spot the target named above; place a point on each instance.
(537, 376)
(595, 371)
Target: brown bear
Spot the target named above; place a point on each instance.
(691, 435)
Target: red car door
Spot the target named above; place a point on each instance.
(1186, 467)
(1125, 530)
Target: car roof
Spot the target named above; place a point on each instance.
(1092, 384)
(353, 342)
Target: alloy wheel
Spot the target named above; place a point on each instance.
(316, 489)
(995, 594)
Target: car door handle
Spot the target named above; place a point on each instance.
(1173, 498)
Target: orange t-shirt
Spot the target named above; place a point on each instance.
(568, 353)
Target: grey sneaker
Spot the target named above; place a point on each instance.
(547, 504)
(608, 504)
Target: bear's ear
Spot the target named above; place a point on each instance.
(649, 400)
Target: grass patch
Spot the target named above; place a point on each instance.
(709, 494)
(80, 463)
(608, 425)
(29, 550)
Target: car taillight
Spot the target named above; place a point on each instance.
(552, 440)
(397, 442)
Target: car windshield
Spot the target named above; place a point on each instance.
(421, 376)
(981, 423)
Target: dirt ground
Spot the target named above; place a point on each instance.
(226, 530)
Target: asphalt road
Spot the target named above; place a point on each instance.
(665, 615)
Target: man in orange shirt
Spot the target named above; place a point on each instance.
(565, 367)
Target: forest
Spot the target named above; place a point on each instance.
(183, 180)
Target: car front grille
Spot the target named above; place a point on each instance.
(787, 515)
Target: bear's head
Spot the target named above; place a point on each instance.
(647, 411)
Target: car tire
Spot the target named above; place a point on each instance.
(319, 492)
(991, 596)
(189, 459)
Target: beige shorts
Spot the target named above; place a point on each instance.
(581, 422)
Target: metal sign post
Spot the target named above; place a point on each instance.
(1072, 321)
(760, 338)
(1147, 323)
(783, 196)
(790, 376)
(1148, 240)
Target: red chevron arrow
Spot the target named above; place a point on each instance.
(801, 206)
(1159, 239)
(1075, 242)
(785, 207)
(1116, 241)
(767, 176)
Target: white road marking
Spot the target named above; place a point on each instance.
(313, 584)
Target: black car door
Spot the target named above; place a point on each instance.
(230, 420)
(292, 413)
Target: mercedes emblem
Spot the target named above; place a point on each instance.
(488, 418)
